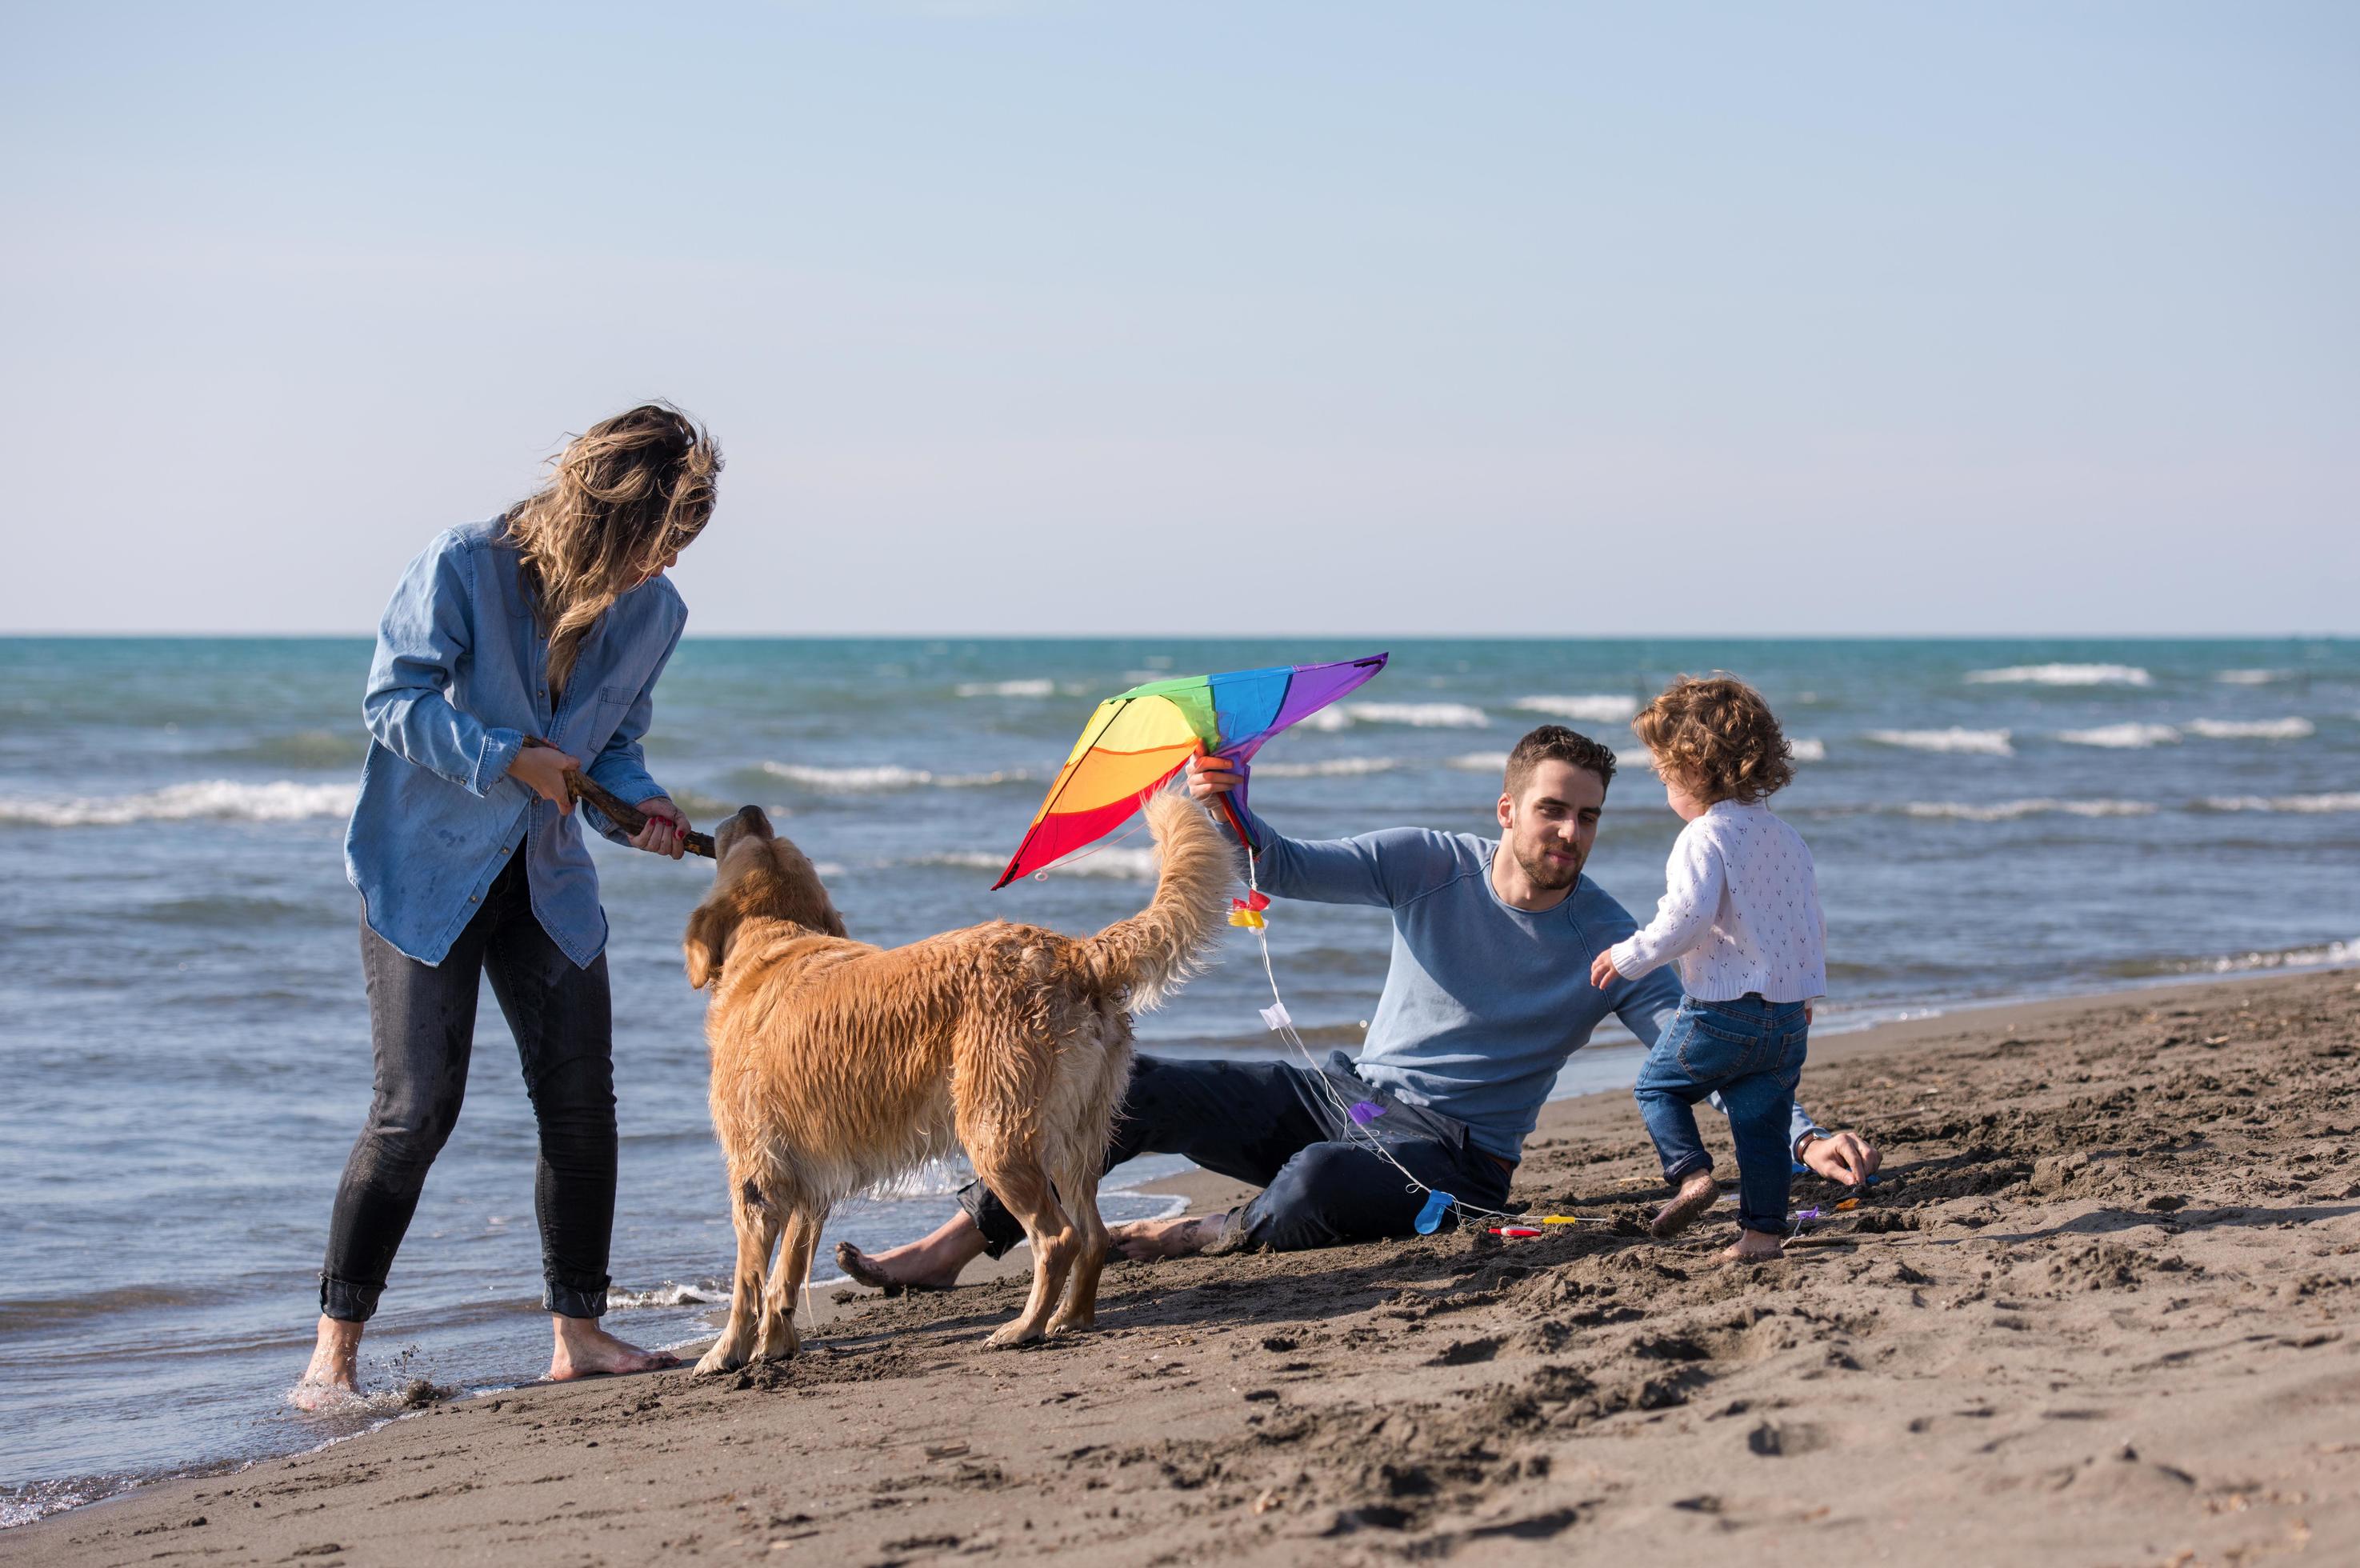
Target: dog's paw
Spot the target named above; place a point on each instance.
(716, 1360)
(1073, 1322)
(1011, 1336)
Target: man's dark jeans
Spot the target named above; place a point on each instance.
(1281, 1129)
(1749, 1053)
(422, 1025)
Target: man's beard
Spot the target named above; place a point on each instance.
(1547, 876)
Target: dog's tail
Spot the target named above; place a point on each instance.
(1144, 959)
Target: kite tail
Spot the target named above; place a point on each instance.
(1144, 959)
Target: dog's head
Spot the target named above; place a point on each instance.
(757, 875)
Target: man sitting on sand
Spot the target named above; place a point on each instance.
(1488, 993)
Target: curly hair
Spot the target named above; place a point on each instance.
(1715, 737)
(1555, 743)
(626, 492)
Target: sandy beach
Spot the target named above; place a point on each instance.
(2100, 1312)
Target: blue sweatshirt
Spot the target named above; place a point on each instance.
(1483, 1002)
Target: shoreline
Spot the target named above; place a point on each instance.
(2116, 1241)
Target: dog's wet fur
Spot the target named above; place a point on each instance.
(838, 1065)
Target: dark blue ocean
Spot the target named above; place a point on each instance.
(184, 1038)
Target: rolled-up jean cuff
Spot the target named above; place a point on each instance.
(347, 1302)
(1680, 1171)
(574, 1300)
(1759, 1229)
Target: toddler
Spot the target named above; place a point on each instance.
(1741, 915)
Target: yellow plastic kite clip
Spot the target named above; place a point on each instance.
(1248, 919)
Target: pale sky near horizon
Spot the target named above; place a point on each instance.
(1086, 318)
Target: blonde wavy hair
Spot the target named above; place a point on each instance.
(622, 497)
(1715, 737)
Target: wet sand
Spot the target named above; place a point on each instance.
(2101, 1312)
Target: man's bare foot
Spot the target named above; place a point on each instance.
(333, 1376)
(1143, 1241)
(1753, 1246)
(586, 1350)
(930, 1263)
(1696, 1194)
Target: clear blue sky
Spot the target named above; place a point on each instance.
(1039, 318)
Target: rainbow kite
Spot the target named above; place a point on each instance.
(1134, 742)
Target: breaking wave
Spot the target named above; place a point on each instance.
(2012, 810)
(1978, 743)
(1007, 688)
(2310, 805)
(2335, 953)
(216, 799)
(1479, 762)
(2251, 677)
(865, 781)
(2251, 729)
(2062, 675)
(2123, 737)
(1597, 710)
(1420, 715)
(1807, 750)
(671, 1293)
(1334, 768)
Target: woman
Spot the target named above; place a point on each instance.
(551, 622)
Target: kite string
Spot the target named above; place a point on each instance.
(1356, 1133)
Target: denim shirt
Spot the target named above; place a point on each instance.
(460, 678)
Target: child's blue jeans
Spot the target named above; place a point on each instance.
(1749, 1053)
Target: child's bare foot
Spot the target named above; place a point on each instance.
(1753, 1246)
(1696, 1194)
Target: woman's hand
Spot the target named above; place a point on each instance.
(666, 832)
(542, 770)
(1209, 776)
(1602, 972)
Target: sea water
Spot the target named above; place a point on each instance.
(184, 1041)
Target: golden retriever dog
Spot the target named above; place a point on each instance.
(838, 1065)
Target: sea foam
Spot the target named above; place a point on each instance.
(2062, 675)
(1601, 709)
(1976, 743)
(2122, 738)
(2249, 677)
(216, 799)
(1807, 750)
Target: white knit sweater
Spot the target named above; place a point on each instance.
(1741, 912)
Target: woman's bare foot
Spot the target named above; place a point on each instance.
(1143, 1241)
(586, 1350)
(1696, 1194)
(1753, 1246)
(333, 1376)
(931, 1263)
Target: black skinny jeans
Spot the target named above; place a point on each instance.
(423, 1027)
(1282, 1128)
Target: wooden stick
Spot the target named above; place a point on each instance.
(630, 818)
